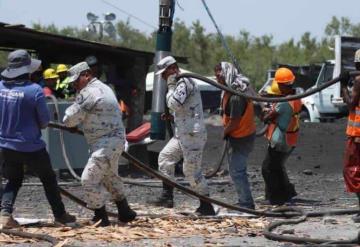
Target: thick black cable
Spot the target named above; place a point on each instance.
(306, 240)
(264, 99)
(280, 212)
(156, 174)
(188, 191)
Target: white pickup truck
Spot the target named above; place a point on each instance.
(328, 104)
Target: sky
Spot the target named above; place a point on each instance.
(283, 19)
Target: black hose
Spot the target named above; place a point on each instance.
(147, 169)
(282, 212)
(286, 212)
(264, 99)
(306, 240)
(188, 191)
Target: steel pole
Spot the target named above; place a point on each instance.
(163, 49)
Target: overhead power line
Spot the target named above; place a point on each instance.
(129, 14)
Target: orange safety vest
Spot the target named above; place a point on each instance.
(292, 132)
(246, 125)
(353, 126)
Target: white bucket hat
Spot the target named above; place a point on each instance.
(164, 63)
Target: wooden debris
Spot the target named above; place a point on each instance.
(147, 227)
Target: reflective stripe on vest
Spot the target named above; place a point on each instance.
(353, 126)
(292, 132)
(246, 125)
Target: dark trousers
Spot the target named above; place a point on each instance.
(37, 162)
(278, 188)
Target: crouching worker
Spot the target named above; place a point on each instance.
(96, 108)
(184, 100)
(23, 114)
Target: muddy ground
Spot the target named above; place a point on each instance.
(315, 167)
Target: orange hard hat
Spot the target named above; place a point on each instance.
(284, 76)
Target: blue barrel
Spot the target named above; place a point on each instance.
(76, 147)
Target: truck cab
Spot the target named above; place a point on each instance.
(328, 104)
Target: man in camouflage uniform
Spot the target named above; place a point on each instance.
(96, 108)
(184, 100)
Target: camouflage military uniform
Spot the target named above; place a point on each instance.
(184, 100)
(96, 108)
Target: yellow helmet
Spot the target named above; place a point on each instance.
(61, 68)
(273, 89)
(50, 74)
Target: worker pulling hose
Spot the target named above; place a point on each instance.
(188, 191)
(290, 212)
(184, 189)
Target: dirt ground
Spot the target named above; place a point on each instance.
(315, 167)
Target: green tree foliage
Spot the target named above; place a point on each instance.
(204, 50)
(133, 38)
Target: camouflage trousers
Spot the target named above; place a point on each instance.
(100, 176)
(190, 148)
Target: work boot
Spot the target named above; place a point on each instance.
(205, 208)
(66, 218)
(7, 221)
(125, 213)
(166, 199)
(101, 214)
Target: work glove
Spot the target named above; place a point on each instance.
(171, 81)
(344, 78)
